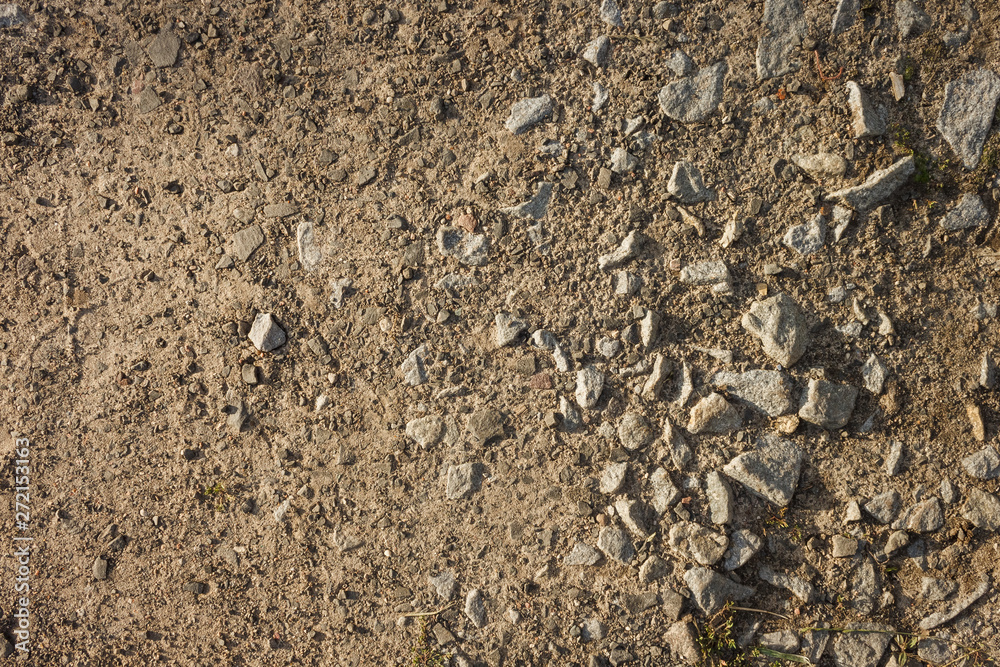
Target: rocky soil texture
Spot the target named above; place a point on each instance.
(503, 333)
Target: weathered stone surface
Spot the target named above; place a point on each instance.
(874, 374)
(444, 585)
(828, 404)
(616, 544)
(611, 13)
(743, 545)
(844, 16)
(425, 431)
(508, 329)
(958, 606)
(664, 493)
(280, 210)
(923, 517)
(981, 509)
(720, 498)
(781, 327)
(863, 583)
(807, 238)
(694, 98)
(771, 471)
(784, 28)
(11, 16)
(937, 590)
(412, 367)
(799, 587)
(771, 392)
(475, 608)
(967, 113)
(265, 333)
(680, 63)
(626, 251)
(867, 121)
(536, 207)
(246, 241)
(821, 166)
(463, 481)
(708, 272)
(634, 431)
(596, 51)
(527, 113)
(861, 649)
(984, 464)
(687, 185)
(164, 48)
(710, 590)
(911, 19)
(589, 385)
(468, 249)
(484, 426)
(879, 186)
(884, 507)
(582, 554)
(698, 543)
(310, 255)
(714, 414)
(633, 515)
(968, 213)
(613, 477)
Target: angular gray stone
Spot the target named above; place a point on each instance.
(784, 28)
(967, 113)
(710, 590)
(874, 374)
(622, 161)
(714, 414)
(923, 517)
(246, 241)
(455, 281)
(866, 120)
(527, 113)
(147, 100)
(508, 329)
(771, 392)
(781, 327)
(413, 369)
(280, 210)
(968, 213)
(649, 328)
(571, 420)
(681, 642)
(861, 649)
(616, 544)
(484, 426)
(958, 606)
(844, 16)
(589, 385)
(11, 16)
(981, 509)
(743, 545)
(863, 583)
(664, 493)
(877, 187)
(828, 404)
(626, 251)
(475, 608)
(807, 238)
(469, 249)
(692, 99)
(634, 432)
(536, 207)
(844, 547)
(265, 333)
(680, 452)
(821, 166)
(884, 507)
(463, 481)
(680, 63)
(785, 641)
(937, 590)
(771, 471)
(894, 462)
(708, 272)
(700, 544)
(987, 372)
(984, 464)
(444, 585)
(633, 515)
(600, 98)
(100, 567)
(310, 255)
(613, 478)
(592, 630)
(720, 498)
(582, 554)
(596, 51)
(163, 49)
(911, 19)
(653, 569)
(425, 431)
(611, 13)
(799, 587)
(687, 185)
(935, 651)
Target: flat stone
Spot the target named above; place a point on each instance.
(475, 608)
(884, 507)
(280, 210)
(163, 49)
(535, 208)
(935, 651)
(967, 113)
(11, 16)
(611, 13)
(894, 461)
(582, 554)
(687, 185)
(784, 28)
(866, 120)
(821, 166)
(949, 493)
(484, 426)
(708, 272)
(613, 478)
(310, 255)
(412, 368)
(807, 238)
(649, 328)
(265, 333)
(665, 494)
(596, 51)
(246, 241)
(861, 649)
(444, 585)
(592, 630)
(455, 281)
(681, 640)
(710, 590)
(911, 19)
(623, 162)
(743, 545)
(601, 97)
(937, 590)
(508, 329)
(463, 481)
(692, 99)
(957, 607)
(714, 414)
(923, 517)
(863, 583)
(771, 471)
(785, 641)
(468, 249)
(874, 374)
(680, 452)
(704, 546)
(147, 100)
(425, 431)
(680, 63)
(634, 432)
(100, 568)
(770, 392)
(780, 325)
(984, 464)
(828, 404)
(968, 213)
(981, 509)
(879, 186)
(527, 113)
(987, 371)
(844, 16)
(633, 515)
(616, 544)
(626, 251)
(799, 587)
(572, 420)
(844, 547)
(653, 569)
(589, 385)
(720, 498)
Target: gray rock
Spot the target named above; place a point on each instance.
(714, 414)
(664, 493)
(649, 328)
(807, 238)
(896, 541)
(708, 272)
(626, 251)
(957, 607)
(634, 432)
(785, 641)
(592, 630)
(237, 416)
(613, 478)
(799, 587)
(968, 213)
(884, 507)
(475, 608)
(874, 374)
(720, 498)
(280, 210)
(879, 186)
(844, 16)
(911, 19)
(710, 590)
(622, 161)
(589, 385)
(937, 590)
(339, 289)
(596, 51)
(246, 241)
(455, 281)
(265, 333)
(984, 464)
(582, 554)
(894, 462)
(100, 567)
(987, 372)
(771, 471)
(695, 542)
(444, 585)
(828, 404)
(11, 16)
(863, 583)
(600, 98)
(949, 493)
(469, 249)
(463, 481)
(616, 544)
(249, 374)
(743, 545)
(535, 208)
(867, 121)
(981, 509)
(609, 348)
(611, 14)
(653, 569)
(935, 651)
(508, 329)
(781, 327)
(310, 255)
(923, 517)
(814, 643)
(861, 649)
(681, 642)
(572, 420)
(967, 113)
(225, 262)
(693, 98)
(413, 369)
(148, 100)
(784, 28)
(425, 431)
(163, 49)
(527, 113)
(633, 515)
(844, 547)
(821, 166)
(687, 185)
(680, 452)
(484, 426)
(679, 63)
(771, 392)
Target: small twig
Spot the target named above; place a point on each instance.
(820, 68)
(418, 614)
(762, 611)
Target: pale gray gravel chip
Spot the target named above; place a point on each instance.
(412, 368)
(720, 498)
(508, 329)
(463, 480)
(807, 238)
(879, 186)
(613, 478)
(693, 99)
(686, 184)
(582, 554)
(265, 333)
(444, 585)
(536, 207)
(844, 16)
(616, 544)
(779, 324)
(634, 431)
(468, 249)
(874, 374)
(743, 545)
(937, 590)
(710, 590)
(700, 544)
(884, 507)
(957, 607)
(626, 251)
(867, 121)
(680, 63)
(310, 255)
(968, 213)
(589, 385)
(771, 392)
(246, 241)
(664, 493)
(981, 509)
(611, 14)
(799, 587)
(425, 431)
(983, 464)
(714, 414)
(861, 649)
(280, 210)
(527, 113)
(911, 19)
(163, 49)
(475, 608)
(828, 404)
(894, 461)
(967, 113)
(784, 27)
(821, 166)
(770, 471)
(708, 272)
(596, 51)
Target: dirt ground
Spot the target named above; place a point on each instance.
(139, 140)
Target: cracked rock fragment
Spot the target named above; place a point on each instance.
(710, 590)
(981, 509)
(616, 544)
(968, 213)
(743, 545)
(265, 333)
(692, 99)
(867, 120)
(799, 587)
(687, 185)
(984, 464)
(784, 28)
(771, 392)
(626, 251)
(770, 471)
(828, 404)
(469, 249)
(508, 329)
(536, 207)
(589, 385)
(957, 607)
(425, 431)
(463, 480)
(781, 327)
(714, 414)
(596, 51)
(967, 113)
(527, 113)
(702, 545)
(880, 185)
(807, 238)
(860, 648)
(413, 369)
(874, 374)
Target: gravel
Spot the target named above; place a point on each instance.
(780, 325)
(967, 112)
(771, 471)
